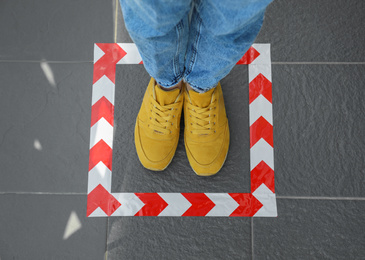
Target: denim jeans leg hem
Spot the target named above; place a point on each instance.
(169, 85)
(199, 89)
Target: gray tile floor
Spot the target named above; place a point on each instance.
(318, 70)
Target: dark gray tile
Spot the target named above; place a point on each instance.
(179, 238)
(311, 30)
(33, 227)
(44, 130)
(122, 33)
(312, 229)
(54, 30)
(319, 130)
(130, 176)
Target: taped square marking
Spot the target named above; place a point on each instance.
(101, 202)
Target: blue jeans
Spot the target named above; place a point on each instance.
(198, 41)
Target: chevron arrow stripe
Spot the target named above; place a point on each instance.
(106, 64)
(262, 151)
(101, 202)
(104, 87)
(260, 85)
(177, 204)
(101, 152)
(131, 204)
(250, 55)
(97, 213)
(264, 50)
(102, 130)
(102, 109)
(100, 174)
(262, 173)
(248, 205)
(224, 204)
(268, 200)
(255, 70)
(101, 198)
(260, 107)
(132, 56)
(200, 204)
(261, 129)
(154, 204)
(98, 53)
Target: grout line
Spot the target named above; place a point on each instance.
(278, 197)
(116, 21)
(315, 63)
(252, 240)
(39, 193)
(106, 240)
(39, 61)
(84, 193)
(318, 198)
(273, 62)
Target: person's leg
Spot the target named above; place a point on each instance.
(159, 28)
(220, 33)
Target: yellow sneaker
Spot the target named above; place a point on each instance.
(206, 130)
(158, 126)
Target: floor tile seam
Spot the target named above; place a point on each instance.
(106, 242)
(317, 63)
(116, 20)
(277, 196)
(252, 240)
(43, 193)
(40, 61)
(273, 63)
(320, 198)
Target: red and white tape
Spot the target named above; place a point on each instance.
(101, 202)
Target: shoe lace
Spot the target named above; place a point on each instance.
(161, 116)
(202, 119)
